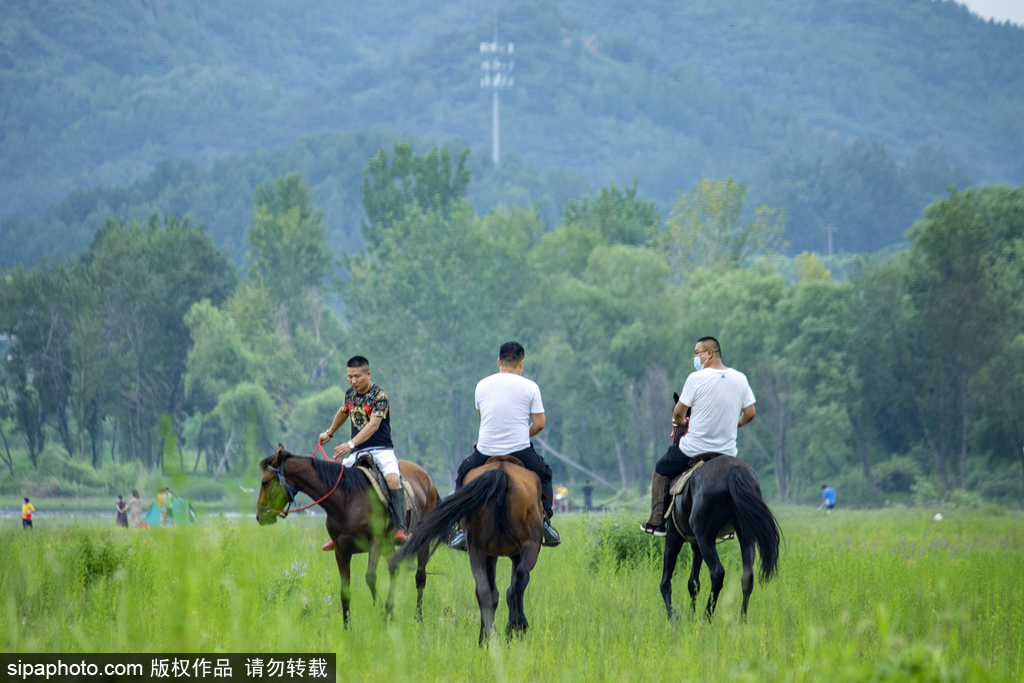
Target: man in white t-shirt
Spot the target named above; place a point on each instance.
(511, 413)
(719, 401)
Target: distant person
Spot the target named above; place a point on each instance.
(160, 497)
(828, 498)
(588, 493)
(511, 413)
(26, 514)
(562, 498)
(169, 506)
(122, 512)
(720, 401)
(135, 510)
(370, 409)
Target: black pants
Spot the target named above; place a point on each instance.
(673, 463)
(531, 461)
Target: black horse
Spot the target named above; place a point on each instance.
(722, 496)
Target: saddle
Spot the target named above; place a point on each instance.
(366, 465)
(679, 484)
(696, 461)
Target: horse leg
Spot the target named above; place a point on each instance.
(421, 578)
(694, 583)
(344, 558)
(521, 566)
(747, 554)
(478, 566)
(492, 579)
(389, 603)
(715, 569)
(371, 569)
(673, 544)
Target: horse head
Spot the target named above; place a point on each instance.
(274, 493)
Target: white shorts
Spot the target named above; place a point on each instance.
(387, 461)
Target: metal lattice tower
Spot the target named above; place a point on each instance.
(497, 67)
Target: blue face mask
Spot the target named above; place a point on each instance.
(697, 365)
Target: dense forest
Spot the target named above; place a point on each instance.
(814, 105)
(900, 381)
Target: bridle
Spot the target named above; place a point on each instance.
(292, 490)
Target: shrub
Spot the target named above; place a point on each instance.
(925, 492)
(55, 462)
(897, 475)
(616, 540)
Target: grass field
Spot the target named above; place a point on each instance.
(861, 595)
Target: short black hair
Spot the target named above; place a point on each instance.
(511, 352)
(712, 344)
(26, 500)
(824, 486)
(358, 362)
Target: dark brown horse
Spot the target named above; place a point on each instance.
(722, 496)
(501, 511)
(357, 521)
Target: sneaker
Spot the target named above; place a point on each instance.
(659, 530)
(401, 537)
(329, 545)
(551, 537)
(458, 541)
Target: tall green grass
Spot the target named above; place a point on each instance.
(873, 595)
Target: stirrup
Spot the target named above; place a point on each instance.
(459, 541)
(550, 536)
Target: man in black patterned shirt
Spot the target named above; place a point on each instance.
(368, 406)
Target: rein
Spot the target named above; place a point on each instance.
(292, 491)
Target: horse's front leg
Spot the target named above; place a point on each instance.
(694, 583)
(673, 544)
(344, 558)
(371, 569)
(389, 603)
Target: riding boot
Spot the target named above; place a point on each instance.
(659, 494)
(398, 509)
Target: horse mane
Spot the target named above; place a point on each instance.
(327, 472)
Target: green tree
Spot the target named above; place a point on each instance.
(428, 181)
(707, 230)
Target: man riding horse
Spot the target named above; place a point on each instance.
(720, 401)
(511, 413)
(368, 406)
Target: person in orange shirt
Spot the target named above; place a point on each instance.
(26, 514)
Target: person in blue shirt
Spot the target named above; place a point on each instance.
(828, 498)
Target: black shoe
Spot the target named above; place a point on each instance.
(551, 537)
(459, 542)
(660, 530)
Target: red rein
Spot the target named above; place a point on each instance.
(319, 447)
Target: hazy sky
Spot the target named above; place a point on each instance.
(1000, 10)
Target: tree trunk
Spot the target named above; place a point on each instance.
(224, 458)
(7, 460)
(964, 427)
(782, 481)
(862, 449)
(199, 445)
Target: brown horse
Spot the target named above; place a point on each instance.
(501, 512)
(357, 521)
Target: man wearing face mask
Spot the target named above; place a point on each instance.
(720, 402)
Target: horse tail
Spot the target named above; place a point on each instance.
(754, 519)
(490, 487)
